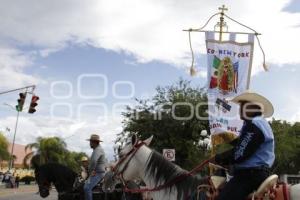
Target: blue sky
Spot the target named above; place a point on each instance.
(134, 46)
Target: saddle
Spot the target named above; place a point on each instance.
(268, 188)
(265, 188)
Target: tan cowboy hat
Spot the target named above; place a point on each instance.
(84, 158)
(267, 107)
(94, 137)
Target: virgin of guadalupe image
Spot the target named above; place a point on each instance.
(226, 75)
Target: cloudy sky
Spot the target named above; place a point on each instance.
(89, 58)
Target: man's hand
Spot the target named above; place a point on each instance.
(93, 173)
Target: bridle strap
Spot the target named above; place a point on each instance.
(171, 182)
(131, 153)
(177, 179)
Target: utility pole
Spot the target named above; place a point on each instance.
(13, 144)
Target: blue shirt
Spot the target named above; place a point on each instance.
(254, 147)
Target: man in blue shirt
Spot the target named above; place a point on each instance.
(96, 169)
(253, 153)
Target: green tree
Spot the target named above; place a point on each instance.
(4, 154)
(170, 116)
(287, 147)
(72, 160)
(51, 149)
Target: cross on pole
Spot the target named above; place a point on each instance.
(222, 9)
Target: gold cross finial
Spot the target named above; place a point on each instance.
(223, 8)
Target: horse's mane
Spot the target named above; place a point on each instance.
(62, 177)
(163, 171)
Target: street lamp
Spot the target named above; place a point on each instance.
(204, 141)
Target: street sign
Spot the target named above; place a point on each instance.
(169, 154)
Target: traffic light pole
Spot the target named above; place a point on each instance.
(19, 109)
(13, 144)
(22, 88)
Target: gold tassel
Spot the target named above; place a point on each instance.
(265, 67)
(193, 71)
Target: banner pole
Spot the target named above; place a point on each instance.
(221, 23)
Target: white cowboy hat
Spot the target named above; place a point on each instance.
(84, 158)
(267, 107)
(94, 137)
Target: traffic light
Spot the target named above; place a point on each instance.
(33, 104)
(21, 102)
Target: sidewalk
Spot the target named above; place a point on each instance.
(22, 189)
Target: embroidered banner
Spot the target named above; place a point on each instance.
(229, 70)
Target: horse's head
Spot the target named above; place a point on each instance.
(43, 182)
(128, 161)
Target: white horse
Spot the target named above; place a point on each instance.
(139, 162)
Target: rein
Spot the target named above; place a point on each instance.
(177, 179)
(131, 153)
(171, 182)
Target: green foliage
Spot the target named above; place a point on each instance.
(27, 179)
(4, 154)
(72, 160)
(287, 147)
(52, 149)
(156, 117)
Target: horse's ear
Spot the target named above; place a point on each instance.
(148, 141)
(35, 162)
(134, 139)
(35, 166)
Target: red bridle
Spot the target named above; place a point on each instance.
(130, 154)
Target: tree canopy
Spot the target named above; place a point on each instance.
(155, 116)
(52, 150)
(4, 154)
(170, 116)
(287, 147)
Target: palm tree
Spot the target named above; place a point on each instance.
(51, 149)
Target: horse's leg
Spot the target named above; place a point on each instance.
(295, 192)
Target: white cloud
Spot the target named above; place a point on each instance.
(74, 132)
(149, 30)
(280, 85)
(290, 111)
(296, 116)
(12, 65)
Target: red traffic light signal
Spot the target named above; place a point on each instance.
(21, 102)
(33, 104)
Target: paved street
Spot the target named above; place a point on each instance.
(24, 193)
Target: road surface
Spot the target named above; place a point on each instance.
(24, 193)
